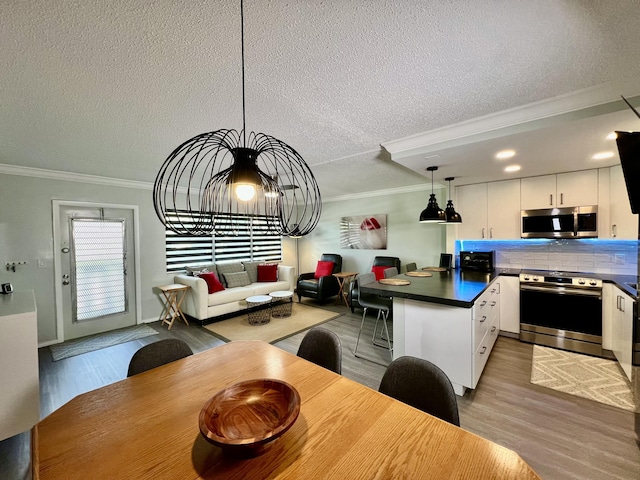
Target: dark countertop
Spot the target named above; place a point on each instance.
(456, 288)
(461, 289)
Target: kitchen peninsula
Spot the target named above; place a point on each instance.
(451, 319)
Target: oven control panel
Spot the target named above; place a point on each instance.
(561, 279)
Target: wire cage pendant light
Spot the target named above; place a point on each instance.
(433, 213)
(451, 216)
(212, 182)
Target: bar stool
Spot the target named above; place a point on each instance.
(383, 305)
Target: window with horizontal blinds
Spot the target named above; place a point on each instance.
(254, 241)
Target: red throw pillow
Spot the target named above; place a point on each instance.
(323, 269)
(379, 271)
(268, 272)
(213, 284)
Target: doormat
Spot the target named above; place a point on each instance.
(91, 343)
(302, 318)
(594, 378)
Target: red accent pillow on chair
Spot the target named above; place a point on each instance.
(268, 272)
(323, 269)
(213, 284)
(379, 271)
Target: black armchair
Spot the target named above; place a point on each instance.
(324, 287)
(377, 262)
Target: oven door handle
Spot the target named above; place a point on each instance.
(562, 291)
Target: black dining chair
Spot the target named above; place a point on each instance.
(322, 347)
(411, 267)
(157, 354)
(390, 272)
(423, 385)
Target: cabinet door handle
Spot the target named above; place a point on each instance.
(614, 230)
(484, 349)
(482, 232)
(484, 317)
(622, 304)
(562, 199)
(493, 329)
(483, 303)
(493, 304)
(491, 232)
(551, 199)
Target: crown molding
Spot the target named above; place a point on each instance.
(426, 187)
(72, 177)
(562, 104)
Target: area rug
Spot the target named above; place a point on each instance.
(594, 378)
(82, 345)
(302, 318)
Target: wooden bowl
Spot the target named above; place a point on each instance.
(244, 418)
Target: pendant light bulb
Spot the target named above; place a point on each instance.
(245, 191)
(433, 213)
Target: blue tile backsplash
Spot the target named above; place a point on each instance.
(588, 255)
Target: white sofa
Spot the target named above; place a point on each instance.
(201, 305)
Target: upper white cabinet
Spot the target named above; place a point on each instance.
(563, 190)
(623, 223)
(503, 204)
(489, 210)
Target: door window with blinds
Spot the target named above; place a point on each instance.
(99, 267)
(254, 241)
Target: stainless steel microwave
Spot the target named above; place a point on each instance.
(567, 222)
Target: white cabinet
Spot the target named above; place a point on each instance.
(19, 378)
(571, 189)
(623, 223)
(510, 304)
(471, 203)
(458, 340)
(622, 329)
(493, 210)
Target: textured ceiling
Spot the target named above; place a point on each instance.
(111, 88)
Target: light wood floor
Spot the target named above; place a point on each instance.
(559, 435)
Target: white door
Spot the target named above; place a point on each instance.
(97, 269)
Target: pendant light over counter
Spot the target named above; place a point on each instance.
(213, 182)
(433, 213)
(450, 213)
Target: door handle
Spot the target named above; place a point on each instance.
(65, 279)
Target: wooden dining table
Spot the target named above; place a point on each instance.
(146, 427)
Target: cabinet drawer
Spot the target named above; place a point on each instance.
(481, 355)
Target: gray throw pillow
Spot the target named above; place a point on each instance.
(239, 279)
(252, 269)
(195, 270)
(224, 268)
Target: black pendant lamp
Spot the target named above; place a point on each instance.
(450, 213)
(433, 213)
(213, 182)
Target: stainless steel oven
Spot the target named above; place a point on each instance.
(561, 310)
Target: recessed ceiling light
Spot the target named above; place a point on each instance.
(504, 154)
(512, 168)
(612, 136)
(603, 155)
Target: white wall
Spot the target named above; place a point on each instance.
(407, 239)
(26, 234)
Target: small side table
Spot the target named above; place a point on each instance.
(257, 312)
(342, 280)
(173, 295)
(282, 303)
